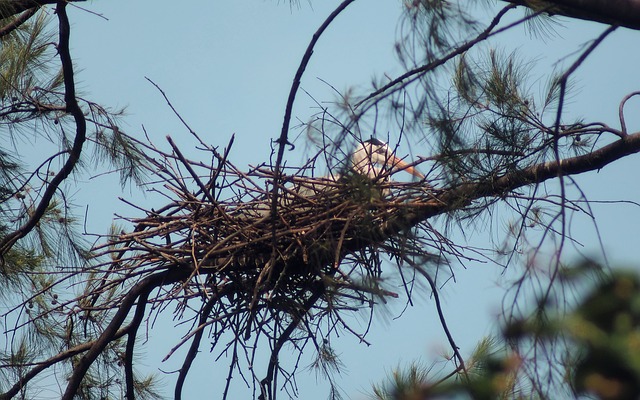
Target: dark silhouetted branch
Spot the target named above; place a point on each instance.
(74, 109)
(624, 13)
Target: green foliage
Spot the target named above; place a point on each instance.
(600, 352)
(38, 274)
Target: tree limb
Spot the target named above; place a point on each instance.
(195, 344)
(624, 13)
(13, 7)
(138, 292)
(538, 173)
(74, 109)
(17, 21)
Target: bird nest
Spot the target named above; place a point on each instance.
(263, 261)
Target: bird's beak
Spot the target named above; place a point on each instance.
(400, 165)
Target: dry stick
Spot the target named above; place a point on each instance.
(443, 322)
(177, 114)
(284, 133)
(74, 109)
(187, 165)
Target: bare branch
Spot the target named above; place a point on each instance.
(283, 140)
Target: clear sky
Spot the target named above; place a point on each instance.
(228, 65)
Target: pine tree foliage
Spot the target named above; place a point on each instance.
(36, 271)
(274, 259)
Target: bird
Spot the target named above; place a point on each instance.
(374, 159)
(371, 163)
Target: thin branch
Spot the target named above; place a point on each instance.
(131, 342)
(267, 384)
(195, 345)
(623, 124)
(443, 322)
(434, 64)
(283, 140)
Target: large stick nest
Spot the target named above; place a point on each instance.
(263, 269)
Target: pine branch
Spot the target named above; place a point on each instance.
(624, 13)
(12, 7)
(74, 109)
(138, 293)
(17, 21)
(283, 140)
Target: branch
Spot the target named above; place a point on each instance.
(283, 140)
(195, 345)
(131, 342)
(436, 63)
(624, 13)
(64, 355)
(443, 322)
(283, 338)
(74, 109)
(465, 194)
(19, 20)
(139, 292)
(13, 7)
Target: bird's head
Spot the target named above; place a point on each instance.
(372, 157)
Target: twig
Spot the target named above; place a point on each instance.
(623, 125)
(443, 322)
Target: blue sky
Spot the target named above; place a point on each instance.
(227, 67)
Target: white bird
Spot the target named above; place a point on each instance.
(372, 160)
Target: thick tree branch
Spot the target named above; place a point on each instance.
(138, 292)
(624, 13)
(62, 356)
(13, 7)
(17, 21)
(74, 109)
(465, 194)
